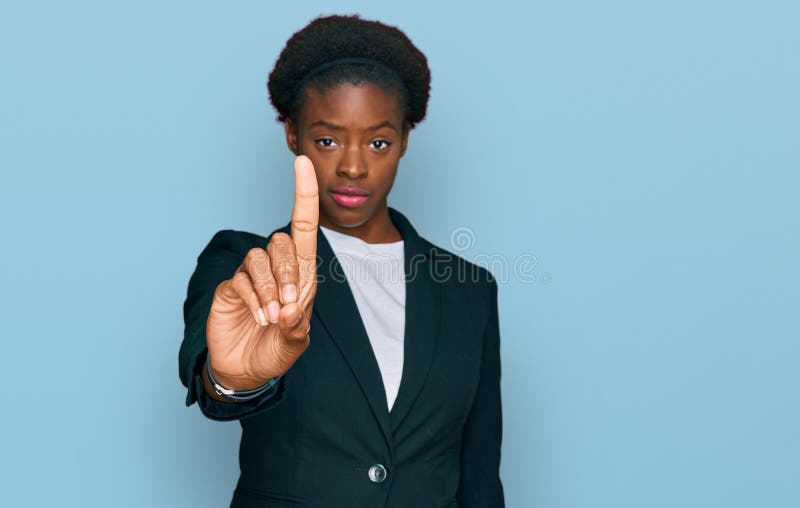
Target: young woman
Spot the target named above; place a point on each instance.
(354, 388)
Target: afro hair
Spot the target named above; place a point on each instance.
(398, 65)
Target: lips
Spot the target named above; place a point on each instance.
(349, 197)
(349, 191)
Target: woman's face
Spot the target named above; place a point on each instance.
(354, 136)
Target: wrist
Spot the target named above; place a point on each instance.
(209, 387)
(238, 383)
(234, 389)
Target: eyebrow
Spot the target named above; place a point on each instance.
(333, 126)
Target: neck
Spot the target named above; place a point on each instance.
(377, 229)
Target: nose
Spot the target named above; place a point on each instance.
(352, 164)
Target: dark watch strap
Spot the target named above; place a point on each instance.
(239, 396)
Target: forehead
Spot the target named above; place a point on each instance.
(351, 105)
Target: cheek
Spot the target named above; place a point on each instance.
(323, 179)
(385, 175)
(385, 167)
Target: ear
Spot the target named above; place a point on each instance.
(404, 140)
(291, 136)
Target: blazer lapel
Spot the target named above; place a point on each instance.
(336, 308)
(422, 317)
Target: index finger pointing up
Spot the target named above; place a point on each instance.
(305, 216)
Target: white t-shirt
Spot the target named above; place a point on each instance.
(376, 275)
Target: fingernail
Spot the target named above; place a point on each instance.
(296, 321)
(289, 293)
(273, 309)
(261, 317)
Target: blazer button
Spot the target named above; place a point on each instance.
(377, 473)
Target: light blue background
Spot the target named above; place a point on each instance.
(645, 155)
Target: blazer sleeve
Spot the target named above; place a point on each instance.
(216, 263)
(479, 482)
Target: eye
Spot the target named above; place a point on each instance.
(325, 142)
(379, 144)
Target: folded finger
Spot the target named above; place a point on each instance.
(258, 265)
(293, 322)
(243, 287)
(285, 269)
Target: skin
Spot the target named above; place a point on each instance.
(351, 135)
(355, 136)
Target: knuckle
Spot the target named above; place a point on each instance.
(267, 282)
(255, 253)
(221, 287)
(307, 265)
(239, 277)
(302, 224)
(297, 334)
(224, 292)
(261, 270)
(286, 267)
(256, 257)
(280, 242)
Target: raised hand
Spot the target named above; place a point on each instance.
(260, 318)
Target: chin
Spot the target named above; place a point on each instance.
(351, 223)
(347, 219)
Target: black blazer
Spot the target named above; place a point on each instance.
(324, 437)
